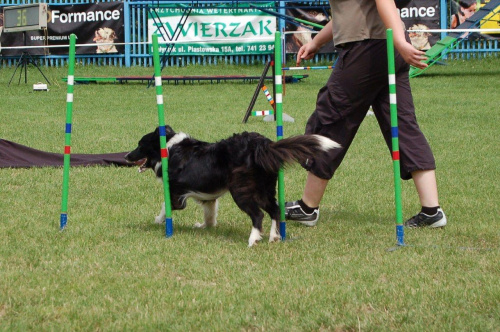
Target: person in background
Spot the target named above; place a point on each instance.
(467, 9)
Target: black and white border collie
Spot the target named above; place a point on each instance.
(245, 164)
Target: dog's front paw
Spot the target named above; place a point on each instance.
(160, 218)
(274, 237)
(255, 236)
(200, 225)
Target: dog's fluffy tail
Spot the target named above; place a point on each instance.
(297, 148)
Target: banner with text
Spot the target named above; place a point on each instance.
(97, 24)
(422, 15)
(213, 31)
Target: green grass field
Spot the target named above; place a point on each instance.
(112, 268)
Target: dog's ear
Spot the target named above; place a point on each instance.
(169, 130)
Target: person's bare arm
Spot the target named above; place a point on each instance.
(389, 14)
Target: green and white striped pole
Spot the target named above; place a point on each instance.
(279, 127)
(395, 138)
(67, 139)
(169, 228)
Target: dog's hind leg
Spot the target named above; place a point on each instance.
(209, 213)
(160, 219)
(274, 212)
(255, 236)
(252, 209)
(256, 214)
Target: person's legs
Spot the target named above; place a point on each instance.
(306, 210)
(425, 183)
(341, 106)
(431, 214)
(416, 157)
(314, 189)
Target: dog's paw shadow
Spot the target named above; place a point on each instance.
(147, 227)
(229, 232)
(150, 227)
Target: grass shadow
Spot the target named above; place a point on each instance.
(229, 231)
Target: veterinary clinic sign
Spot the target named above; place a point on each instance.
(213, 31)
(98, 24)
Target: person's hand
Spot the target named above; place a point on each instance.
(307, 52)
(412, 56)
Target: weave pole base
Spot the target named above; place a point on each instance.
(286, 118)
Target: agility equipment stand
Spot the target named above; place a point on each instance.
(260, 85)
(269, 115)
(23, 63)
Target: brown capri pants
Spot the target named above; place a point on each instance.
(358, 81)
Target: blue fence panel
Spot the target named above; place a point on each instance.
(136, 23)
(476, 49)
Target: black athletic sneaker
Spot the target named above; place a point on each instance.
(424, 220)
(294, 212)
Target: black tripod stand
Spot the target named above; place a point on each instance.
(23, 62)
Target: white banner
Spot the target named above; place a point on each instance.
(214, 31)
